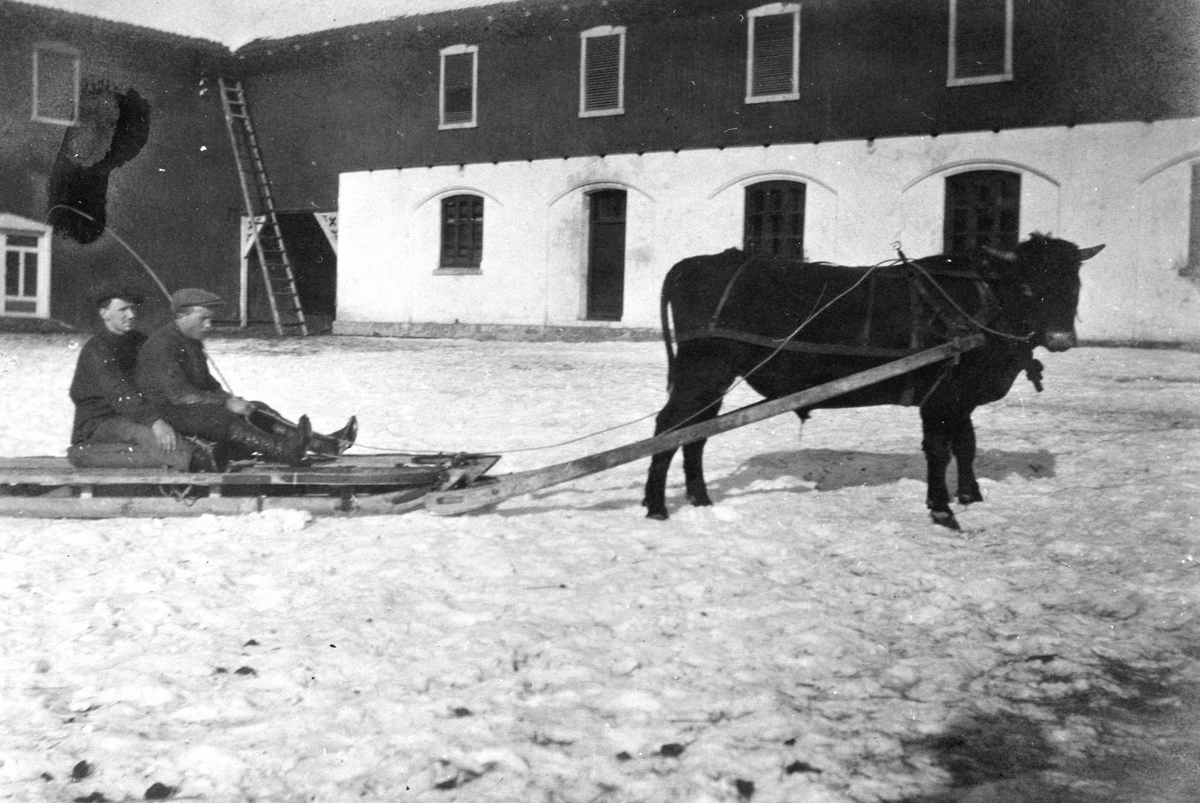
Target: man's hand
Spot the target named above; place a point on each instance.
(239, 406)
(165, 435)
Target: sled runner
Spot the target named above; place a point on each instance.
(50, 487)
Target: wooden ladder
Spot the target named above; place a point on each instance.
(273, 258)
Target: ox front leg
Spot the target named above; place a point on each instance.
(936, 445)
(962, 443)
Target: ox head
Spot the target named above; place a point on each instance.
(1043, 276)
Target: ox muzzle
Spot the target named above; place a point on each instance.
(1059, 341)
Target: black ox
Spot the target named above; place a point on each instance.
(785, 326)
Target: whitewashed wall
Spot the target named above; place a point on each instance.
(1125, 185)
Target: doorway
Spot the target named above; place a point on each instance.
(310, 241)
(606, 255)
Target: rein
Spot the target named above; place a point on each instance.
(918, 271)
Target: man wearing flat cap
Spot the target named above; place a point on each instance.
(115, 425)
(172, 372)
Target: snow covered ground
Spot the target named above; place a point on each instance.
(812, 638)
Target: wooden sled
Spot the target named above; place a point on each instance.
(50, 487)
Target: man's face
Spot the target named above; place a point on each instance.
(194, 322)
(119, 316)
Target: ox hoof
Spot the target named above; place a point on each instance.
(657, 515)
(700, 500)
(945, 518)
(970, 496)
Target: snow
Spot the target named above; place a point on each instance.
(811, 638)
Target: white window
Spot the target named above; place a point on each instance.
(980, 42)
(459, 79)
(602, 71)
(25, 245)
(773, 53)
(55, 85)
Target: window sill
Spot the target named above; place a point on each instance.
(772, 98)
(980, 79)
(458, 272)
(601, 112)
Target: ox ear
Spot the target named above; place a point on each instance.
(1088, 253)
(1007, 256)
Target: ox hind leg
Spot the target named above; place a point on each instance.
(947, 433)
(700, 380)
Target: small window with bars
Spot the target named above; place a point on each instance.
(983, 207)
(21, 269)
(602, 71)
(459, 81)
(773, 53)
(55, 85)
(980, 42)
(462, 232)
(775, 219)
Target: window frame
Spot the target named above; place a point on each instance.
(952, 79)
(458, 50)
(12, 226)
(752, 16)
(994, 179)
(596, 33)
(802, 212)
(58, 50)
(455, 265)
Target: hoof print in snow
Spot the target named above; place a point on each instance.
(220, 670)
(800, 766)
(461, 712)
(745, 789)
(623, 756)
(159, 791)
(47, 776)
(463, 776)
(251, 643)
(671, 750)
(94, 797)
(245, 670)
(81, 770)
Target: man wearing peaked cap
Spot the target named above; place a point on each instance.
(172, 372)
(115, 425)
(194, 297)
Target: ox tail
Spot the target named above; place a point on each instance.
(664, 303)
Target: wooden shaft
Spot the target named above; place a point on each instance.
(485, 494)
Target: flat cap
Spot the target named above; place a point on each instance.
(103, 293)
(193, 297)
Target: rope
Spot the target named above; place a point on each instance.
(950, 300)
(166, 293)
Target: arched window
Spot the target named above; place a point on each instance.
(775, 219)
(983, 207)
(462, 231)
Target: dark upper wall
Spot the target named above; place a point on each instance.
(172, 190)
(366, 97)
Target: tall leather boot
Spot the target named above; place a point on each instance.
(336, 442)
(288, 449)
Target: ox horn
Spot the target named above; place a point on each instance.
(1088, 253)
(1007, 256)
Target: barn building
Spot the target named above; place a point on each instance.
(533, 168)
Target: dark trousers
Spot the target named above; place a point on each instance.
(117, 442)
(209, 421)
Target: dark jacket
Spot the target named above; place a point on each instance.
(172, 371)
(104, 384)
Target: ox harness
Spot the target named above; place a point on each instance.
(934, 316)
